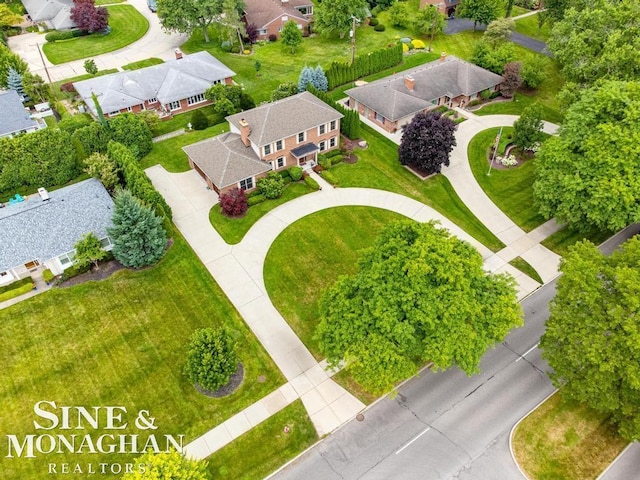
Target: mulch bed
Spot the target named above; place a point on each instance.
(106, 270)
(234, 383)
(520, 158)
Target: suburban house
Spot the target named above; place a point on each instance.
(393, 101)
(41, 231)
(172, 87)
(446, 7)
(275, 136)
(15, 118)
(271, 15)
(55, 14)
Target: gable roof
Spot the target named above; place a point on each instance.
(168, 82)
(452, 77)
(264, 12)
(286, 117)
(225, 159)
(55, 12)
(35, 229)
(14, 117)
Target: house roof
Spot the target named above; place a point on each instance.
(286, 117)
(225, 159)
(263, 12)
(168, 82)
(36, 229)
(14, 117)
(452, 77)
(55, 12)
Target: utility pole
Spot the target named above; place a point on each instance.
(46, 70)
(353, 40)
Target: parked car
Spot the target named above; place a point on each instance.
(152, 5)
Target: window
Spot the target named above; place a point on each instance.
(113, 114)
(302, 136)
(379, 118)
(323, 146)
(196, 99)
(216, 82)
(262, 31)
(306, 10)
(267, 149)
(333, 141)
(129, 109)
(246, 184)
(280, 162)
(322, 129)
(152, 100)
(174, 105)
(67, 258)
(279, 145)
(332, 126)
(105, 242)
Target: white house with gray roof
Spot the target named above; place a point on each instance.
(393, 101)
(274, 136)
(56, 14)
(14, 117)
(43, 229)
(172, 87)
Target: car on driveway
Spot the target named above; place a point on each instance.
(152, 5)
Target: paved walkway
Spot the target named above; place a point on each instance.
(41, 287)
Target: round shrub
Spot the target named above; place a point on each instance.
(285, 174)
(233, 203)
(373, 22)
(235, 49)
(271, 186)
(405, 48)
(379, 28)
(485, 94)
(295, 173)
(199, 120)
(226, 46)
(273, 37)
(211, 359)
(418, 44)
(256, 199)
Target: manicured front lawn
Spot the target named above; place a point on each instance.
(529, 26)
(233, 230)
(127, 26)
(378, 167)
(265, 448)
(149, 62)
(183, 119)
(122, 342)
(311, 254)
(510, 189)
(517, 105)
(560, 241)
(565, 440)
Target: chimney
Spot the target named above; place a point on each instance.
(443, 57)
(44, 195)
(409, 82)
(178, 53)
(245, 131)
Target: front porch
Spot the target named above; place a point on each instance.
(306, 155)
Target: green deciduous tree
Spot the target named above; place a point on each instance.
(291, 35)
(592, 340)
(185, 16)
(211, 359)
(231, 21)
(36, 88)
(88, 251)
(7, 17)
(499, 30)
(480, 11)
(272, 185)
(534, 70)
(8, 59)
(167, 466)
(229, 99)
(419, 295)
(527, 130)
(428, 21)
(137, 233)
(590, 174)
(336, 16)
(284, 90)
(90, 66)
(133, 132)
(399, 15)
(493, 57)
(100, 166)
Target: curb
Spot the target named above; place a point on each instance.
(614, 461)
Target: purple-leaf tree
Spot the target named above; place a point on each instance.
(89, 18)
(427, 142)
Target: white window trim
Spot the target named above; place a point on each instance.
(322, 145)
(278, 160)
(246, 180)
(333, 125)
(275, 144)
(304, 137)
(333, 142)
(170, 104)
(324, 126)
(196, 99)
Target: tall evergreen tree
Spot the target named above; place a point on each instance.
(137, 233)
(305, 78)
(14, 81)
(320, 79)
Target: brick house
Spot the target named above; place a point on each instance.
(446, 7)
(275, 136)
(172, 87)
(269, 16)
(392, 102)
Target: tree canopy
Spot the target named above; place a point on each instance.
(211, 359)
(480, 11)
(336, 16)
(419, 295)
(88, 250)
(229, 99)
(592, 340)
(527, 130)
(427, 142)
(590, 174)
(291, 35)
(88, 17)
(184, 16)
(167, 466)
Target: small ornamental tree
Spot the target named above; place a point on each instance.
(499, 30)
(251, 33)
(272, 185)
(233, 203)
(427, 142)
(291, 35)
(480, 11)
(199, 120)
(100, 166)
(89, 18)
(88, 251)
(306, 77)
(167, 466)
(512, 79)
(137, 233)
(229, 99)
(320, 79)
(527, 130)
(284, 90)
(90, 66)
(211, 359)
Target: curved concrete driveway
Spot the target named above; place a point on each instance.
(155, 43)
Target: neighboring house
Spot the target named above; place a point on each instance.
(274, 136)
(55, 14)
(14, 117)
(446, 7)
(393, 101)
(172, 87)
(43, 230)
(271, 15)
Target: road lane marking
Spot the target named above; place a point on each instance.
(527, 352)
(413, 440)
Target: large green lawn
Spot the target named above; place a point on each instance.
(560, 241)
(529, 26)
(510, 189)
(127, 26)
(565, 440)
(122, 342)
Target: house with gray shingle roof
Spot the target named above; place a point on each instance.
(274, 136)
(172, 87)
(393, 101)
(269, 16)
(15, 118)
(56, 14)
(43, 229)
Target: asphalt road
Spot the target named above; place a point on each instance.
(445, 425)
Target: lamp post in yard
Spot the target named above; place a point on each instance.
(495, 150)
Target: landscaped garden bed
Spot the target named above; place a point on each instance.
(15, 289)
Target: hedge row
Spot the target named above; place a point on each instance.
(340, 73)
(128, 129)
(65, 35)
(350, 123)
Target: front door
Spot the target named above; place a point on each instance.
(32, 264)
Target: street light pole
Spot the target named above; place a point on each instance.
(353, 39)
(495, 150)
(46, 70)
